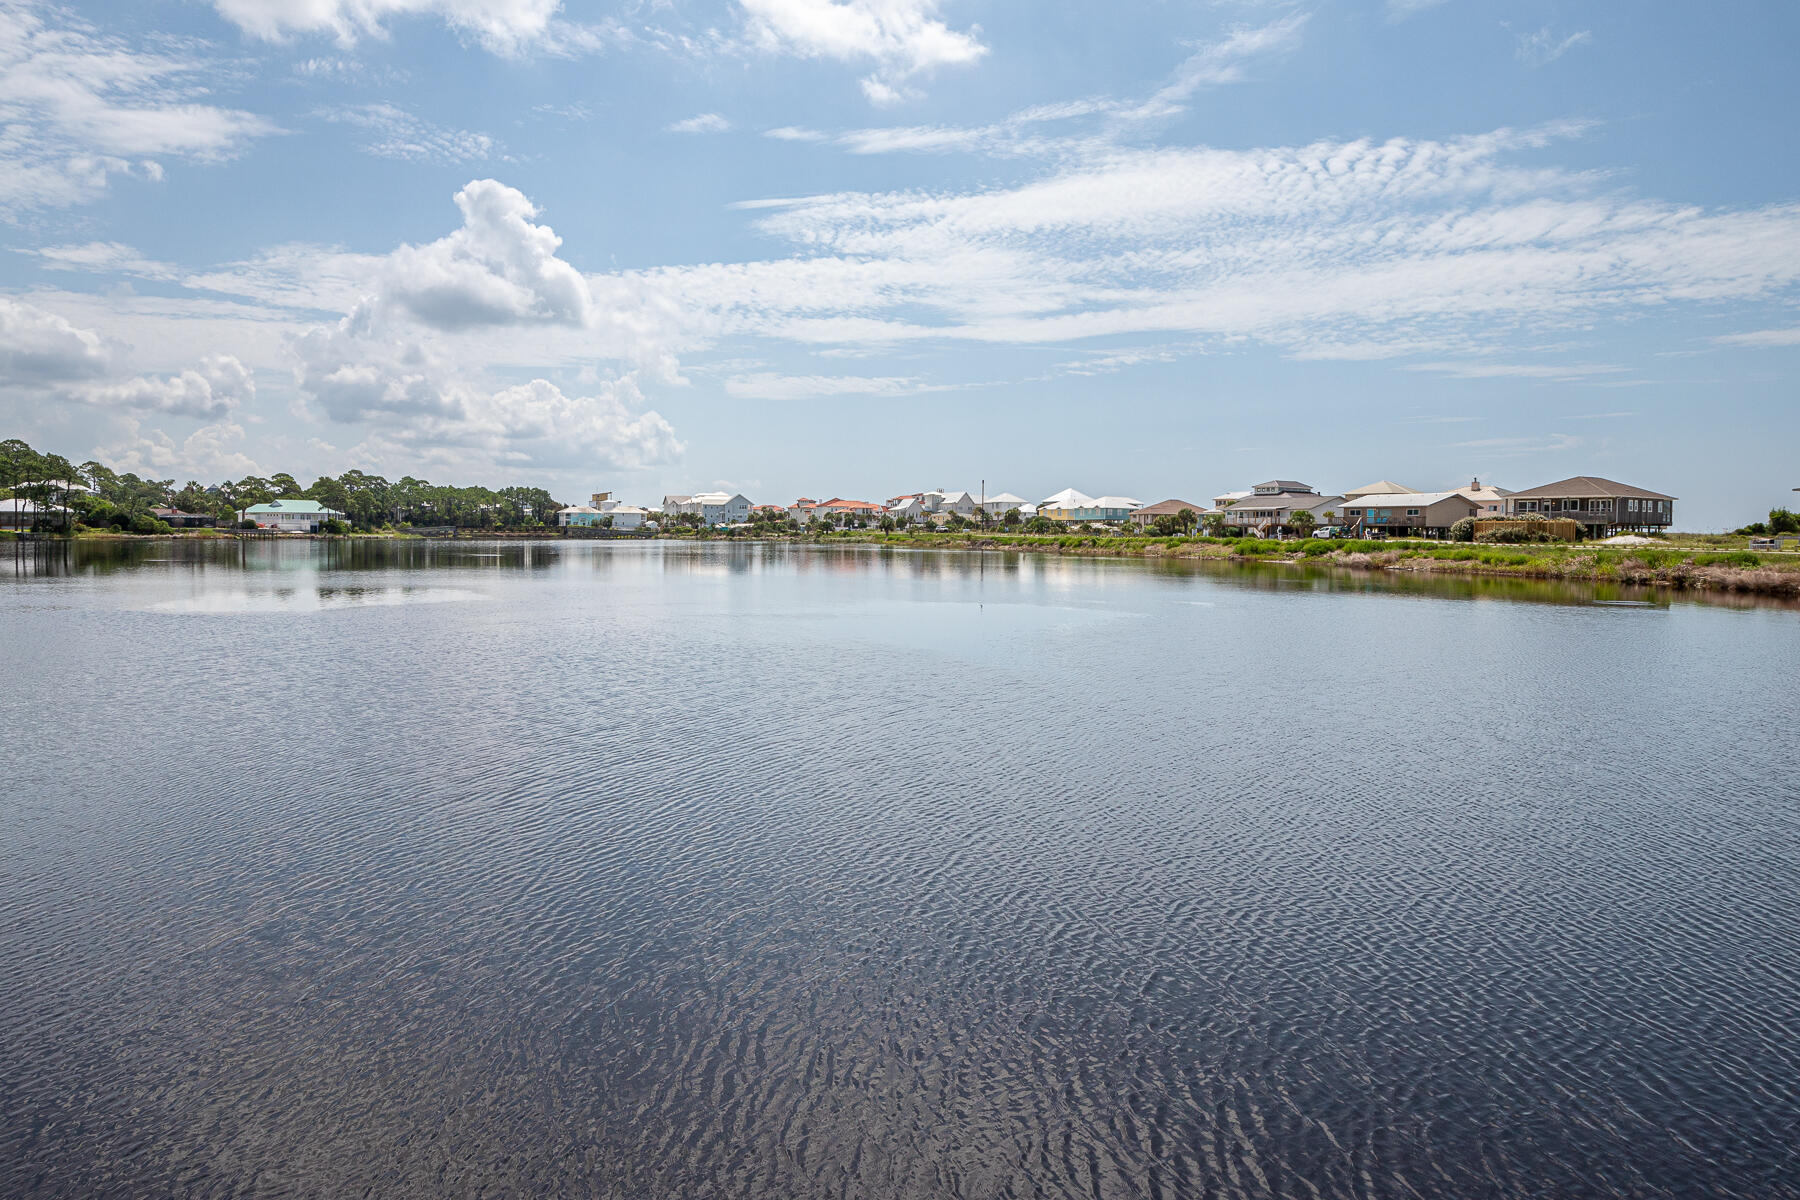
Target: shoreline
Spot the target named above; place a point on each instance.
(1678, 568)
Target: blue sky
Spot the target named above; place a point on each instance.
(870, 246)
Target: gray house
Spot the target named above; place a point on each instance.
(1271, 506)
(1602, 506)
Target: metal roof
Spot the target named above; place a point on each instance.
(291, 505)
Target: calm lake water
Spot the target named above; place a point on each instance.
(635, 871)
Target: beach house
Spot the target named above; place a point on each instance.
(291, 514)
(1601, 506)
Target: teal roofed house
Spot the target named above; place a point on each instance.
(292, 514)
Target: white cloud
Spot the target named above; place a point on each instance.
(1544, 47)
(1399, 10)
(214, 390)
(415, 403)
(403, 363)
(1218, 63)
(1403, 245)
(78, 106)
(772, 386)
(395, 133)
(1762, 338)
(207, 453)
(1559, 372)
(504, 26)
(703, 123)
(105, 258)
(903, 38)
(1509, 447)
(39, 348)
(498, 269)
(792, 133)
(1213, 64)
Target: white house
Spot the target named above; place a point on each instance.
(292, 514)
(998, 506)
(23, 514)
(713, 508)
(627, 516)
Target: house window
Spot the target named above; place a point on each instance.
(1412, 512)
(1603, 506)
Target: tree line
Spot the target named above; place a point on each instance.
(124, 500)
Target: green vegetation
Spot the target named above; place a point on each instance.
(1781, 521)
(122, 502)
(1726, 569)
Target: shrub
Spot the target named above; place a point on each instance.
(1512, 535)
(1463, 530)
(334, 527)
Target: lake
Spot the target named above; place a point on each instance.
(660, 870)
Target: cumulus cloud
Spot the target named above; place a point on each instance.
(214, 390)
(48, 356)
(40, 348)
(78, 106)
(395, 364)
(498, 269)
(703, 123)
(413, 398)
(210, 452)
(903, 38)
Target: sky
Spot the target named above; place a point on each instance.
(867, 247)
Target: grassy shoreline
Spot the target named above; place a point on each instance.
(1675, 566)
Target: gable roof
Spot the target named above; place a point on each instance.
(1114, 502)
(1407, 499)
(1167, 508)
(1286, 485)
(1381, 487)
(1587, 485)
(293, 505)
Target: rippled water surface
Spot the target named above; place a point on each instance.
(729, 871)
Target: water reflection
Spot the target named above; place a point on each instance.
(673, 871)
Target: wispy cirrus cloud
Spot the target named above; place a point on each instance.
(391, 132)
(1546, 46)
(774, 386)
(79, 106)
(1068, 128)
(1762, 338)
(1400, 10)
